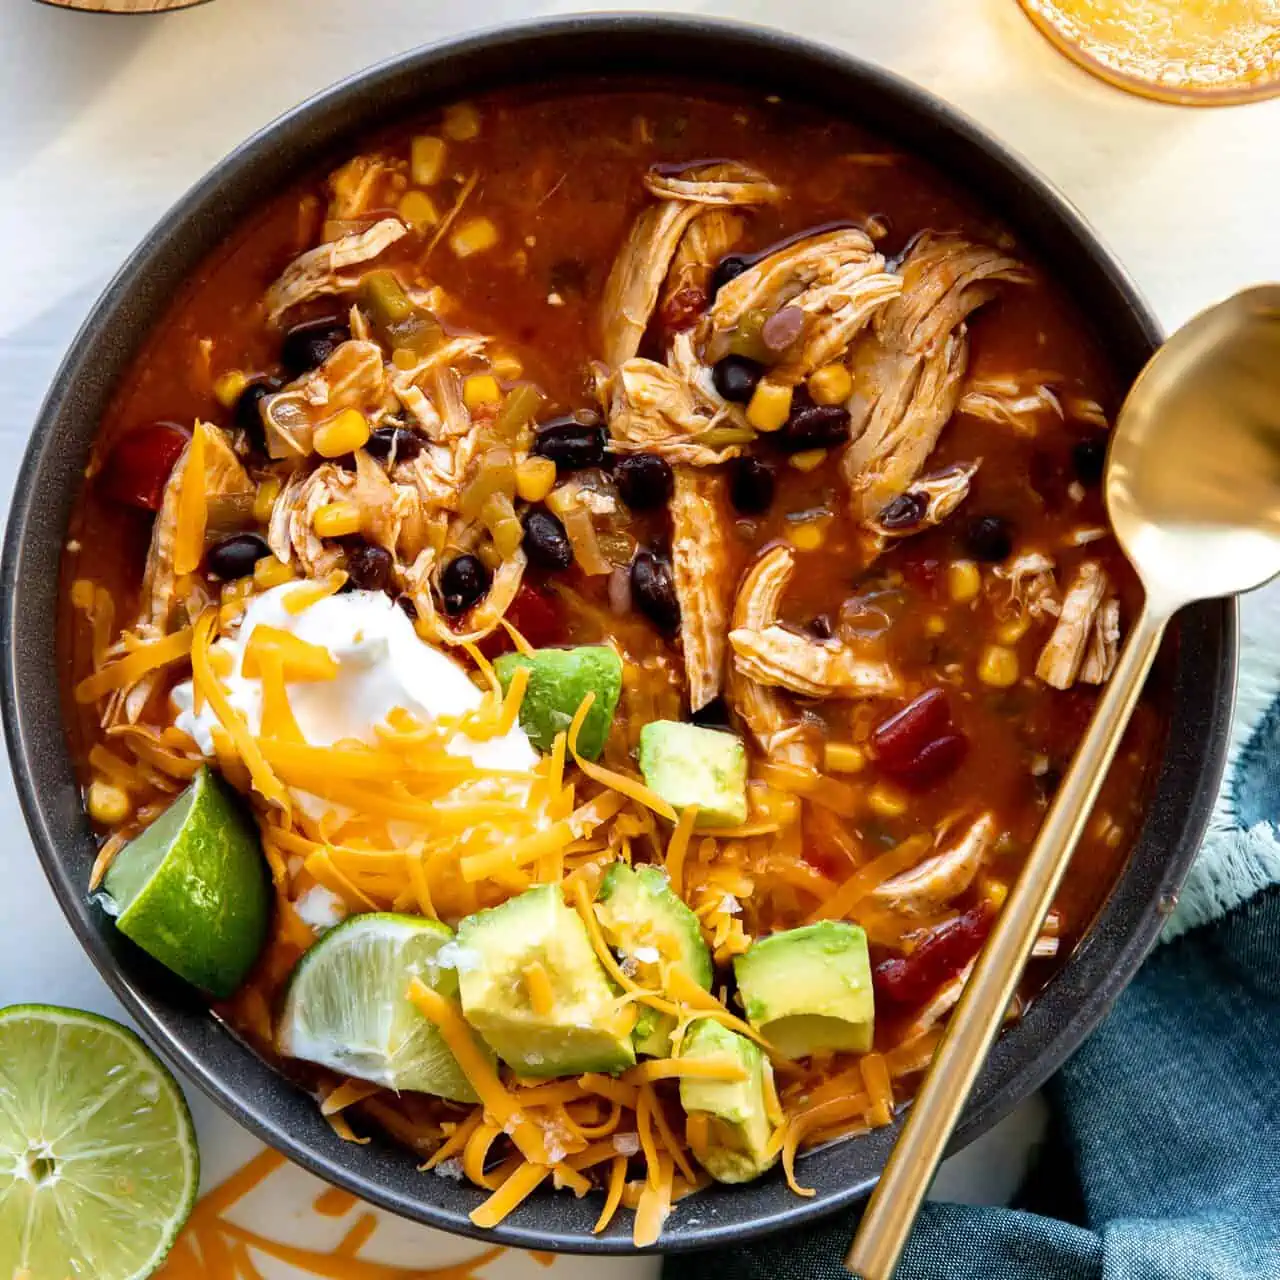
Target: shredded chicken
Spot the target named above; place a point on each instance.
(430, 389)
(1086, 640)
(1019, 403)
(940, 1004)
(707, 239)
(291, 533)
(1032, 587)
(652, 409)
(836, 278)
(636, 279)
(353, 188)
(482, 619)
(908, 371)
(808, 666)
(778, 727)
(700, 568)
(928, 502)
(353, 377)
(324, 269)
(938, 880)
(223, 477)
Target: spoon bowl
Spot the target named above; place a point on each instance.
(1193, 477)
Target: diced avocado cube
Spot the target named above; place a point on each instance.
(738, 1122)
(808, 990)
(559, 679)
(645, 923)
(580, 1027)
(687, 764)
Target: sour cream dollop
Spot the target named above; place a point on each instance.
(382, 665)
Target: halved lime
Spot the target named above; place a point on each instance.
(346, 1006)
(192, 890)
(98, 1160)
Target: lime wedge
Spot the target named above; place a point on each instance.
(192, 889)
(98, 1160)
(346, 1006)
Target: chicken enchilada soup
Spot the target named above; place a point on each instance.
(573, 622)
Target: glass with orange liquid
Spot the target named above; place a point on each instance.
(1197, 52)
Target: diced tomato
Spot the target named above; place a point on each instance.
(908, 981)
(138, 467)
(535, 615)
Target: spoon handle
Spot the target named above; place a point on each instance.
(973, 1027)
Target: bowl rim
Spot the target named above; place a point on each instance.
(186, 1032)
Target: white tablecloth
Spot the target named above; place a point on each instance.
(105, 121)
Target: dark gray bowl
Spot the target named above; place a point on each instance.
(1200, 679)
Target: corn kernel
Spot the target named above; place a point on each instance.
(964, 581)
(506, 366)
(935, 624)
(480, 388)
(227, 387)
(228, 615)
(998, 666)
(808, 536)
(108, 803)
(336, 520)
(535, 478)
(461, 122)
(1011, 632)
(426, 159)
(418, 209)
(770, 406)
(345, 433)
(265, 498)
(808, 459)
(886, 801)
(843, 757)
(995, 892)
(474, 236)
(270, 572)
(405, 358)
(832, 384)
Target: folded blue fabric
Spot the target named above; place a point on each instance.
(1163, 1161)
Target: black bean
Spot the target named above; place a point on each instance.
(545, 541)
(751, 485)
(368, 566)
(644, 480)
(570, 444)
(735, 378)
(988, 538)
(394, 444)
(248, 410)
(1089, 458)
(464, 581)
(727, 269)
(653, 591)
(812, 426)
(715, 715)
(307, 346)
(820, 626)
(904, 512)
(235, 557)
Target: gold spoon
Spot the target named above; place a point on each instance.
(1193, 491)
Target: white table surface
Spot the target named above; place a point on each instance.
(105, 121)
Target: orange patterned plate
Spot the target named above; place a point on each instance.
(1198, 52)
